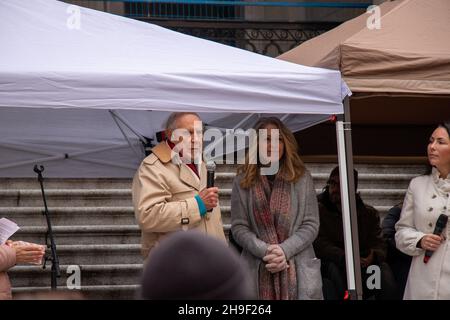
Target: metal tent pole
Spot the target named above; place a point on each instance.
(348, 203)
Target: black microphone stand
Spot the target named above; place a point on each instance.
(56, 272)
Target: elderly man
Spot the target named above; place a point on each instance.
(169, 188)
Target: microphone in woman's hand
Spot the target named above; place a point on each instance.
(440, 226)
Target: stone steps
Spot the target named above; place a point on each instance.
(67, 216)
(85, 235)
(92, 275)
(374, 197)
(66, 197)
(98, 234)
(73, 216)
(99, 254)
(415, 169)
(122, 197)
(365, 180)
(95, 228)
(67, 183)
(389, 174)
(107, 292)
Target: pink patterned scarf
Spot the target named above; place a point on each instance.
(271, 209)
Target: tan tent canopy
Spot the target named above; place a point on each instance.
(409, 55)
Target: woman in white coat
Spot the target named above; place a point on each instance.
(428, 197)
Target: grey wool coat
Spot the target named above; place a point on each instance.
(303, 232)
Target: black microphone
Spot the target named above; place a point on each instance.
(440, 226)
(210, 170)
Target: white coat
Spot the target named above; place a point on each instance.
(428, 196)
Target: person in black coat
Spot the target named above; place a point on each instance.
(397, 260)
(329, 245)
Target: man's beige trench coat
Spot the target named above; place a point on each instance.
(163, 199)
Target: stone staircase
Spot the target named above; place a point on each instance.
(95, 229)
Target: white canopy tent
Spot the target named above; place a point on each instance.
(56, 55)
(79, 89)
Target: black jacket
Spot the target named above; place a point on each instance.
(329, 244)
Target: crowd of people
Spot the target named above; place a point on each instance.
(287, 243)
(290, 240)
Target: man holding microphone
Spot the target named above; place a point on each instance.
(170, 187)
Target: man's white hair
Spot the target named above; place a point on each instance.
(171, 123)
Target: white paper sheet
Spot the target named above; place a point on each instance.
(7, 229)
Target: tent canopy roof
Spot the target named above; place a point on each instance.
(112, 62)
(64, 67)
(409, 53)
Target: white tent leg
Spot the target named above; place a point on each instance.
(348, 203)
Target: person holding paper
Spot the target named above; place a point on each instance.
(12, 253)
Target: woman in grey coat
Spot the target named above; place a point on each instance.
(275, 218)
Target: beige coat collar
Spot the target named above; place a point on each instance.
(164, 153)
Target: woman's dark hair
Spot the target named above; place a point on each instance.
(446, 126)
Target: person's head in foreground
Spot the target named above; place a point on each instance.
(194, 266)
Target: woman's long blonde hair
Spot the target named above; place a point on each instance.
(291, 166)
